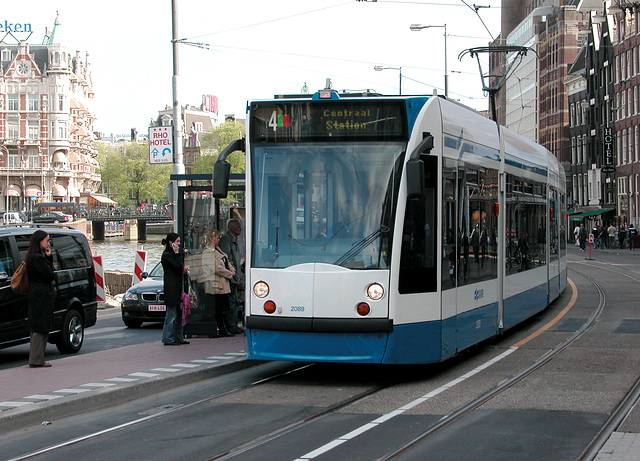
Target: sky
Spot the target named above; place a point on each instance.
(254, 49)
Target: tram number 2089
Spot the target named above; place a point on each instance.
(297, 308)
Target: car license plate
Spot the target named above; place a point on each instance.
(157, 308)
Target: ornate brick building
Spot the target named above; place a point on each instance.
(47, 148)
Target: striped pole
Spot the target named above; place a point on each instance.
(140, 267)
(99, 271)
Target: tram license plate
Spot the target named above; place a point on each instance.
(157, 308)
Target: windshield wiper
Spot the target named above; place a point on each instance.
(361, 245)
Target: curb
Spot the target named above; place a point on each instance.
(22, 417)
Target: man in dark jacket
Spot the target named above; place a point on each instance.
(633, 233)
(230, 246)
(582, 237)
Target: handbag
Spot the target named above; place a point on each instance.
(20, 280)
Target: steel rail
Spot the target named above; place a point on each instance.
(474, 404)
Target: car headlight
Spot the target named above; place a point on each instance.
(130, 296)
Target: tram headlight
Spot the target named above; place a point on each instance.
(375, 291)
(261, 289)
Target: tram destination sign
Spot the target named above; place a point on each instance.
(322, 120)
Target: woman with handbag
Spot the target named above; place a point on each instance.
(218, 273)
(41, 296)
(174, 270)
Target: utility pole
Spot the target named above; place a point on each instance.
(178, 163)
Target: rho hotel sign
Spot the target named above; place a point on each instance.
(160, 144)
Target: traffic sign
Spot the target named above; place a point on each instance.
(590, 238)
(160, 144)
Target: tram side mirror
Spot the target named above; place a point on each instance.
(221, 172)
(415, 178)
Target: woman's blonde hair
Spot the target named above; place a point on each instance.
(211, 234)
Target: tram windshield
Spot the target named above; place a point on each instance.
(324, 203)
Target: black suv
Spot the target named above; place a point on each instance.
(75, 306)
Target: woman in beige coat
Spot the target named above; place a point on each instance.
(217, 272)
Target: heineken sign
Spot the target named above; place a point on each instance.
(7, 27)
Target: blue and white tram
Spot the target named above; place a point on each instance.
(392, 229)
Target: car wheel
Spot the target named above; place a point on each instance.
(72, 334)
(132, 323)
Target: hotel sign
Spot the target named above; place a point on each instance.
(160, 144)
(608, 151)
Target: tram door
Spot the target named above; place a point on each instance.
(554, 259)
(469, 254)
(450, 256)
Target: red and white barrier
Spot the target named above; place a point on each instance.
(141, 266)
(99, 271)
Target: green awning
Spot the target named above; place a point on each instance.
(580, 216)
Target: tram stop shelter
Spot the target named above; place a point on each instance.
(198, 212)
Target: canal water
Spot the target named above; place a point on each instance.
(119, 254)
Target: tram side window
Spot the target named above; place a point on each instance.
(418, 256)
(481, 189)
(526, 233)
(449, 226)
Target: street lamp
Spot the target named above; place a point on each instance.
(381, 68)
(418, 27)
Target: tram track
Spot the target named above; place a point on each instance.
(232, 452)
(156, 415)
(614, 421)
(500, 388)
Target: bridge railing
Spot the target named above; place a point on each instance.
(118, 214)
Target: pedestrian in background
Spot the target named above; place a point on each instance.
(602, 237)
(218, 272)
(582, 237)
(611, 231)
(633, 233)
(41, 296)
(230, 246)
(174, 271)
(622, 236)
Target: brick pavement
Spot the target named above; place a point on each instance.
(83, 380)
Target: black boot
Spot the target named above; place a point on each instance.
(224, 332)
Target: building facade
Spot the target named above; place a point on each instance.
(625, 110)
(47, 148)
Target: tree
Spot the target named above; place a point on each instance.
(214, 141)
(128, 177)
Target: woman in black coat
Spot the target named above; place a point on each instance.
(41, 296)
(174, 270)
